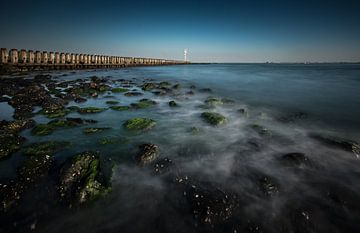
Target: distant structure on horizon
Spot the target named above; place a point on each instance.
(185, 54)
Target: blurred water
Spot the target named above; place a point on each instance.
(223, 156)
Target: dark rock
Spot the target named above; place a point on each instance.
(294, 159)
(133, 93)
(172, 103)
(205, 90)
(293, 117)
(339, 143)
(162, 166)
(268, 186)
(9, 143)
(143, 103)
(147, 154)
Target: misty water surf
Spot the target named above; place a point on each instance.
(280, 163)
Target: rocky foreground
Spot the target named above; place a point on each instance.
(85, 177)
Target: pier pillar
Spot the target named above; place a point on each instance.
(62, 58)
(37, 57)
(57, 58)
(22, 56)
(96, 59)
(67, 58)
(4, 56)
(81, 58)
(73, 60)
(30, 57)
(51, 58)
(14, 56)
(45, 57)
(77, 58)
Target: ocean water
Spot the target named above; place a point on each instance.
(322, 196)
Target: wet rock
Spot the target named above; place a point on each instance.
(112, 140)
(162, 166)
(112, 102)
(213, 101)
(172, 103)
(4, 99)
(176, 86)
(133, 93)
(143, 103)
(190, 93)
(95, 130)
(45, 148)
(205, 90)
(227, 101)
(35, 167)
(339, 143)
(82, 180)
(213, 118)
(159, 93)
(46, 129)
(149, 86)
(9, 143)
(261, 130)
(119, 90)
(268, 186)
(290, 118)
(139, 124)
(120, 108)
(91, 110)
(192, 87)
(17, 125)
(294, 159)
(195, 130)
(147, 154)
(211, 206)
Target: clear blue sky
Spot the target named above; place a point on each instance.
(216, 31)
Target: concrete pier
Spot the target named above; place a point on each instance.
(14, 60)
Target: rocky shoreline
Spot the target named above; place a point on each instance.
(85, 177)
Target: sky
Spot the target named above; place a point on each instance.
(212, 31)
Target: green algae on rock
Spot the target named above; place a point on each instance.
(42, 129)
(139, 124)
(9, 144)
(82, 179)
(45, 148)
(95, 130)
(213, 118)
(119, 90)
(45, 129)
(120, 108)
(143, 103)
(91, 110)
(133, 93)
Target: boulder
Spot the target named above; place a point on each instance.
(147, 153)
(213, 118)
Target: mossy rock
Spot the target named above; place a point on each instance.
(119, 90)
(56, 114)
(133, 93)
(213, 101)
(82, 179)
(147, 154)
(213, 118)
(172, 103)
(195, 130)
(42, 130)
(139, 124)
(112, 140)
(91, 110)
(45, 148)
(120, 108)
(95, 130)
(111, 102)
(176, 86)
(149, 86)
(9, 144)
(143, 103)
(227, 101)
(61, 123)
(73, 108)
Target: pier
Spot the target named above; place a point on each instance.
(15, 60)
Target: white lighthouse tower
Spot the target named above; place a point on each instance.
(185, 55)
